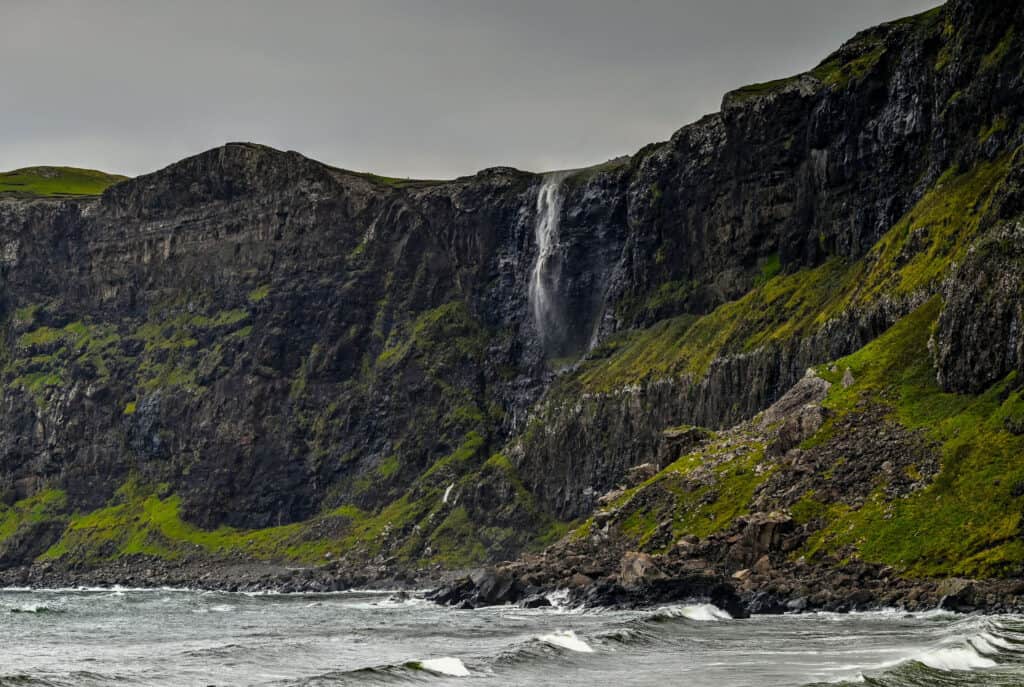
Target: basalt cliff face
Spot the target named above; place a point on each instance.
(250, 355)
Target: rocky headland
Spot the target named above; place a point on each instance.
(774, 361)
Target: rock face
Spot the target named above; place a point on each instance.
(252, 339)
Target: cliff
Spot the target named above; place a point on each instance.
(251, 355)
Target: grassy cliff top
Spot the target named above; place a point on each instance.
(56, 181)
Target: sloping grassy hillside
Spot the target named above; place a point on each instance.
(967, 521)
(911, 258)
(57, 181)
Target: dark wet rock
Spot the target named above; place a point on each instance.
(958, 595)
(494, 588)
(764, 603)
(535, 601)
(490, 587)
(797, 605)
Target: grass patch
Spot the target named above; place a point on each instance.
(1000, 52)
(839, 72)
(913, 256)
(57, 181)
(758, 90)
(141, 522)
(45, 505)
(701, 494)
(967, 522)
(259, 293)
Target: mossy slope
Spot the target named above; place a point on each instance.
(57, 181)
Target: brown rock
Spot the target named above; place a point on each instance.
(579, 581)
(763, 565)
(638, 569)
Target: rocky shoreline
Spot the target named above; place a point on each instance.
(641, 581)
(202, 574)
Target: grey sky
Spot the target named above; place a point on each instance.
(423, 88)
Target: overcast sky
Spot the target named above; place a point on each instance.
(421, 88)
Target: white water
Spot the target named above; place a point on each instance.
(955, 659)
(699, 612)
(567, 639)
(545, 268)
(446, 666)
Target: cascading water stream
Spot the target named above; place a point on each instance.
(546, 267)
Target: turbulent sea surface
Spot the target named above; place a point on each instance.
(166, 637)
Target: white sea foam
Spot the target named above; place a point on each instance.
(997, 643)
(567, 640)
(559, 598)
(955, 658)
(698, 612)
(445, 666)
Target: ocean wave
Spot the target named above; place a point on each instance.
(630, 636)
(36, 608)
(566, 639)
(962, 659)
(426, 671)
(80, 678)
(981, 646)
(703, 613)
(222, 651)
(445, 665)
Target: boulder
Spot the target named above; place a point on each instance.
(638, 569)
(494, 588)
(535, 601)
(762, 533)
(958, 595)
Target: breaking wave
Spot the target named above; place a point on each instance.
(699, 612)
(975, 651)
(566, 639)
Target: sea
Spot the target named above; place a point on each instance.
(126, 637)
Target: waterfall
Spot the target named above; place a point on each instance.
(546, 267)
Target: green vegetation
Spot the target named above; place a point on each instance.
(759, 90)
(1000, 124)
(259, 293)
(141, 521)
(700, 494)
(436, 336)
(580, 177)
(45, 505)
(769, 269)
(146, 520)
(838, 73)
(176, 345)
(393, 182)
(999, 53)
(967, 521)
(910, 258)
(42, 355)
(172, 352)
(57, 181)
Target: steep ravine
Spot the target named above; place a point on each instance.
(250, 355)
